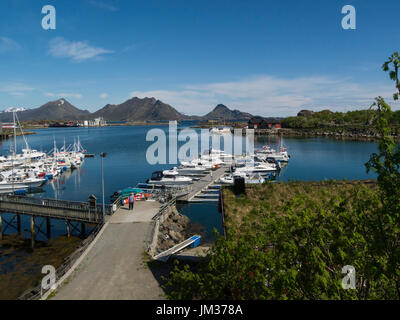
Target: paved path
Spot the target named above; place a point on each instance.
(143, 211)
(114, 268)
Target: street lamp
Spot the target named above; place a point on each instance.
(102, 155)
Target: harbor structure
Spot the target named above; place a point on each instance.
(97, 122)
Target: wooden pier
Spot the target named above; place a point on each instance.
(200, 189)
(70, 211)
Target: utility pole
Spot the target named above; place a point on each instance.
(103, 155)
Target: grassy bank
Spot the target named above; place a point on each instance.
(273, 198)
(291, 241)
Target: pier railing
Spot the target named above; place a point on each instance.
(164, 207)
(57, 209)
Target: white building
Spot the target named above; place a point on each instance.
(98, 122)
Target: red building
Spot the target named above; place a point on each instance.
(264, 123)
(7, 125)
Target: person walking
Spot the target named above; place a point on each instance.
(131, 201)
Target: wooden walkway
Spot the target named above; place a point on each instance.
(55, 209)
(202, 185)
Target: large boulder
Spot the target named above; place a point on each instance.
(175, 236)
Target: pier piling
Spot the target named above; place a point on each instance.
(32, 232)
(83, 229)
(1, 229)
(18, 224)
(68, 231)
(48, 228)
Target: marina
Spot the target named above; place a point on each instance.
(199, 151)
(196, 181)
(197, 199)
(78, 184)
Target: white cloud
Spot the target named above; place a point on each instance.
(16, 89)
(78, 51)
(103, 95)
(63, 95)
(269, 95)
(7, 44)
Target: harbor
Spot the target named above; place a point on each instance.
(196, 181)
(197, 200)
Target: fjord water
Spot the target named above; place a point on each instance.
(125, 164)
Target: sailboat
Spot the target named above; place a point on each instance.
(20, 178)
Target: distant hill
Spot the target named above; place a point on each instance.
(134, 109)
(137, 109)
(54, 110)
(222, 112)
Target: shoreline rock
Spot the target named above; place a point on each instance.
(172, 230)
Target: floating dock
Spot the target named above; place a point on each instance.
(206, 189)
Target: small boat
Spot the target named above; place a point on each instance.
(223, 130)
(126, 192)
(266, 151)
(191, 169)
(168, 177)
(17, 180)
(7, 188)
(257, 167)
(248, 178)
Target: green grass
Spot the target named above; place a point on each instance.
(261, 200)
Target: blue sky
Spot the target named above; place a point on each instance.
(271, 58)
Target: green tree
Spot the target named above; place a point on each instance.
(392, 66)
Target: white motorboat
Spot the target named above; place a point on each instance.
(168, 177)
(266, 151)
(191, 169)
(16, 180)
(217, 156)
(223, 130)
(205, 163)
(6, 189)
(248, 178)
(257, 167)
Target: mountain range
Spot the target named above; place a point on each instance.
(54, 110)
(134, 109)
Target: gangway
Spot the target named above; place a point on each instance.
(164, 256)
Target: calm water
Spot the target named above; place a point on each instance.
(126, 165)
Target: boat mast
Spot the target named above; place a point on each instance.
(15, 134)
(55, 150)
